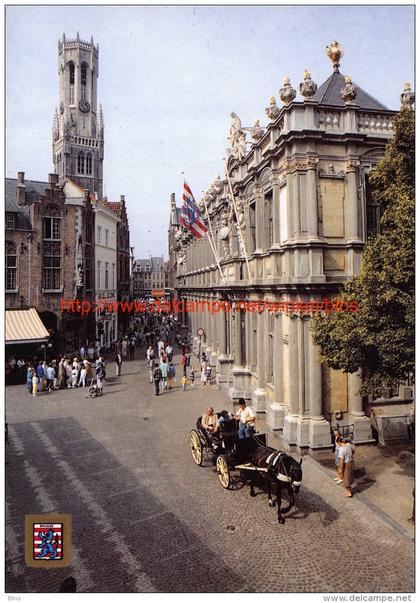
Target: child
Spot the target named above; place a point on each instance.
(192, 377)
(184, 381)
(208, 375)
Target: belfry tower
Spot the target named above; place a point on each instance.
(78, 128)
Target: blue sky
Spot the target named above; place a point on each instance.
(169, 77)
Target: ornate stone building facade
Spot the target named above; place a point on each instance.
(296, 232)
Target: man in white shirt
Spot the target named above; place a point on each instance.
(246, 418)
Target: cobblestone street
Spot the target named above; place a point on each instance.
(146, 518)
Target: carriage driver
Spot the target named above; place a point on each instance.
(209, 421)
(246, 418)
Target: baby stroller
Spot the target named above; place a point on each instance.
(94, 389)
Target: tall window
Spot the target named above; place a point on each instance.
(252, 225)
(373, 211)
(89, 164)
(71, 84)
(98, 234)
(83, 79)
(106, 276)
(98, 274)
(11, 267)
(268, 211)
(106, 237)
(81, 163)
(52, 227)
(10, 220)
(113, 277)
(51, 278)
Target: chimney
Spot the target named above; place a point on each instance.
(52, 178)
(20, 188)
(122, 198)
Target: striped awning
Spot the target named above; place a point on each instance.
(25, 326)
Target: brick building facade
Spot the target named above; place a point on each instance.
(50, 255)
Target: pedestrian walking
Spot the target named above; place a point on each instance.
(35, 381)
(337, 436)
(169, 350)
(40, 375)
(132, 349)
(203, 371)
(118, 363)
(171, 375)
(208, 375)
(100, 376)
(346, 453)
(157, 376)
(192, 377)
(29, 375)
(50, 372)
(164, 366)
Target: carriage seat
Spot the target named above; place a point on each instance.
(229, 432)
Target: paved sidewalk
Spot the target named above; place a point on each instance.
(384, 481)
(147, 519)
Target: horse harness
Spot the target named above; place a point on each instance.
(273, 461)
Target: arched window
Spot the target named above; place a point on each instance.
(83, 79)
(81, 163)
(11, 266)
(71, 83)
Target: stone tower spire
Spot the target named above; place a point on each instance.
(78, 142)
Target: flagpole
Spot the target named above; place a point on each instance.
(245, 253)
(211, 241)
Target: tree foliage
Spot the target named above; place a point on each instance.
(379, 338)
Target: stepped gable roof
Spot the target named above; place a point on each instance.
(329, 93)
(116, 206)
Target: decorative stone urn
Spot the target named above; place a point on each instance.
(287, 93)
(308, 87)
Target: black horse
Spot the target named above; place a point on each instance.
(279, 469)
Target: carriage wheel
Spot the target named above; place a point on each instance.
(196, 448)
(223, 472)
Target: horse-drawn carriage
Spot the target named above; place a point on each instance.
(241, 459)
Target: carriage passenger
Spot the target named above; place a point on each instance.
(225, 416)
(209, 421)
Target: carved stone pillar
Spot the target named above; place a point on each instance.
(290, 420)
(319, 428)
(290, 202)
(276, 410)
(312, 199)
(362, 424)
(352, 202)
(276, 210)
(260, 394)
(223, 362)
